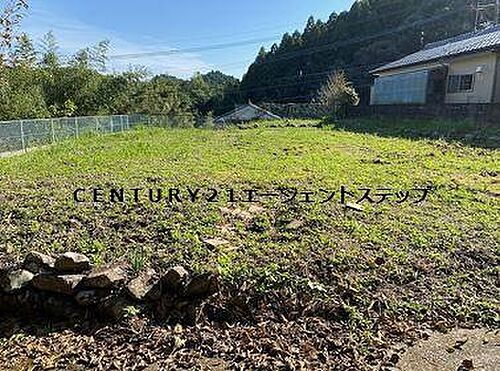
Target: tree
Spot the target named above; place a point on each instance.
(24, 52)
(356, 41)
(337, 93)
(10, 17)
(50, 50)
(261, 57)
(199, 92)
(99, 55)
(82, 58)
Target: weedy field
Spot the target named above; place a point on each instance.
(322, 285)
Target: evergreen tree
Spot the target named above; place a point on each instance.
(372, 33)
(261, 57)
(24, 52)
(50, 50)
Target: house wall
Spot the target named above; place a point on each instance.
(402, 86)
(484, 83)
(496, 85)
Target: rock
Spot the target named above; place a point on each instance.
(114, 307)
(72, 263)
(466, 365)
(164, 306)
(16, 280)
(37, 262)
(225, 210)
(202, 286)
(214, 243)
(353, 206)
(175, 278)
(256, 210)
(236, 213)
(104, 278)
(171, 283)
(63, 284)
(4, 279)
(140, 286)
(87, 298)
(294, 225)
(243, 215)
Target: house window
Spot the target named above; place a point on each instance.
(460, 83)
(466, 82)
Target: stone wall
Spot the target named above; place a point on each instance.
(69, 287)
(296, 110)
(475, 112)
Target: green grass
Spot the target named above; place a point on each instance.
(437, 257)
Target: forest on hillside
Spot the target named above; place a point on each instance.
(371, 33)
(41, 82)
(38, 81)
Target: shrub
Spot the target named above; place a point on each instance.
(337, 94)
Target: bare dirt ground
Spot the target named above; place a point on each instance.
(458, 350)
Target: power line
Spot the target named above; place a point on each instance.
(359, 40)
(232, 44)
(192, 50)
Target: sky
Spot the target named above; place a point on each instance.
(184, 29)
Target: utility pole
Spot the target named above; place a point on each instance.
(497, 15)
(487, 13)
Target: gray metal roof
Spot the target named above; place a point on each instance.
(473, 42)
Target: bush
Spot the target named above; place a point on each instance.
(337, 93)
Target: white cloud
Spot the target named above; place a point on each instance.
(73, 35)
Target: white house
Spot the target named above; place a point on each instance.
(246, 112)
(463, 69)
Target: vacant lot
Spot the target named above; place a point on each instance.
(338, 286)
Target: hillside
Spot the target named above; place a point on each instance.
(372, 33)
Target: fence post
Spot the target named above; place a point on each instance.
(111, 124)
(52, 130)
(76, 127)
(23, 143)
(121, 123)
(127, 122)
(96, 125)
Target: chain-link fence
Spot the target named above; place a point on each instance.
(20, 135)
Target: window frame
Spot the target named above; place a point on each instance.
(459, 82)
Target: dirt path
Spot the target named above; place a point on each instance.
(18, 153)
(459, 350)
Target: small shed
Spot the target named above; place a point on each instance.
(246, 112)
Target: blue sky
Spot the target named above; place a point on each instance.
(144, 26)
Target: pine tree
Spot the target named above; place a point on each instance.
(99, 55)
(261, 56)
(82, 58)
(24, 52)
(50, 50)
